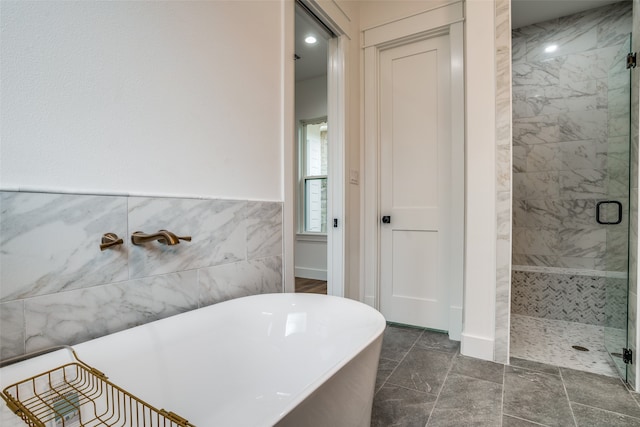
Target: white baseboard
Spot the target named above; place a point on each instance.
(311, 273)
(478, 347)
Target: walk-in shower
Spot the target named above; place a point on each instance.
(571, 109)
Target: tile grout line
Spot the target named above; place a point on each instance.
(538, 372)
(575, 422)
(630, 392)
(403, 357)
(446, 377)
(578, 403)
(607, 410)
(529, 421)
(399, 362)
(627, 387)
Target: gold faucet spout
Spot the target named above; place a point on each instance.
(163, 236)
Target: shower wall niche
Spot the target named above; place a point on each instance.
(571, 151)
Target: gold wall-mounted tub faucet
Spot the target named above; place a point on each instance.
(163, 236)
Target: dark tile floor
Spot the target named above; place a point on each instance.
(423, 380)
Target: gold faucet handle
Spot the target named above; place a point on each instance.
(185, 238)
(109, 240)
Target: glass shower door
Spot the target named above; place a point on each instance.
(613, 212)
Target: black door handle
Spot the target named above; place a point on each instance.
(386, 219)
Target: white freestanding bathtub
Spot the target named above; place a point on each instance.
(276, 359)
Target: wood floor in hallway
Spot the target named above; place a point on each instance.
(311, 286)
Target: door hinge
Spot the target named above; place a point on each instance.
(335, 222)
(627, 355)
(631, 60)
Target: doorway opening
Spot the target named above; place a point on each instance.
(571, 191)
(312, 46)
(413, 207)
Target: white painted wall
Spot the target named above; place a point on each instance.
(311, 257)
(179, 98)
(311, 253)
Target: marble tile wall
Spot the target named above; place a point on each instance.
(570, 138)
(503, 178)
(57, 287)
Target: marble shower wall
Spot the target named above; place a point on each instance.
(503, 178)
(570, 139)
(57, 287)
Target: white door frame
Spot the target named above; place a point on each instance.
(335, 190)
(446, 19)
(338, 23)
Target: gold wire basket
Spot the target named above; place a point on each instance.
(75, 395)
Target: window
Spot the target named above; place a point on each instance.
(313, 176)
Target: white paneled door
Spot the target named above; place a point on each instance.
(415, 182)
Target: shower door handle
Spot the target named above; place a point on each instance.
(609, 202)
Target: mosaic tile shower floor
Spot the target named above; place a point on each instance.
(551, 341)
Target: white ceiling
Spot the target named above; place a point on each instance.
(527, 12)
(313, 58)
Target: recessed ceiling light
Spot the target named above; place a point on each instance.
(551, 48)
(310, 40)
